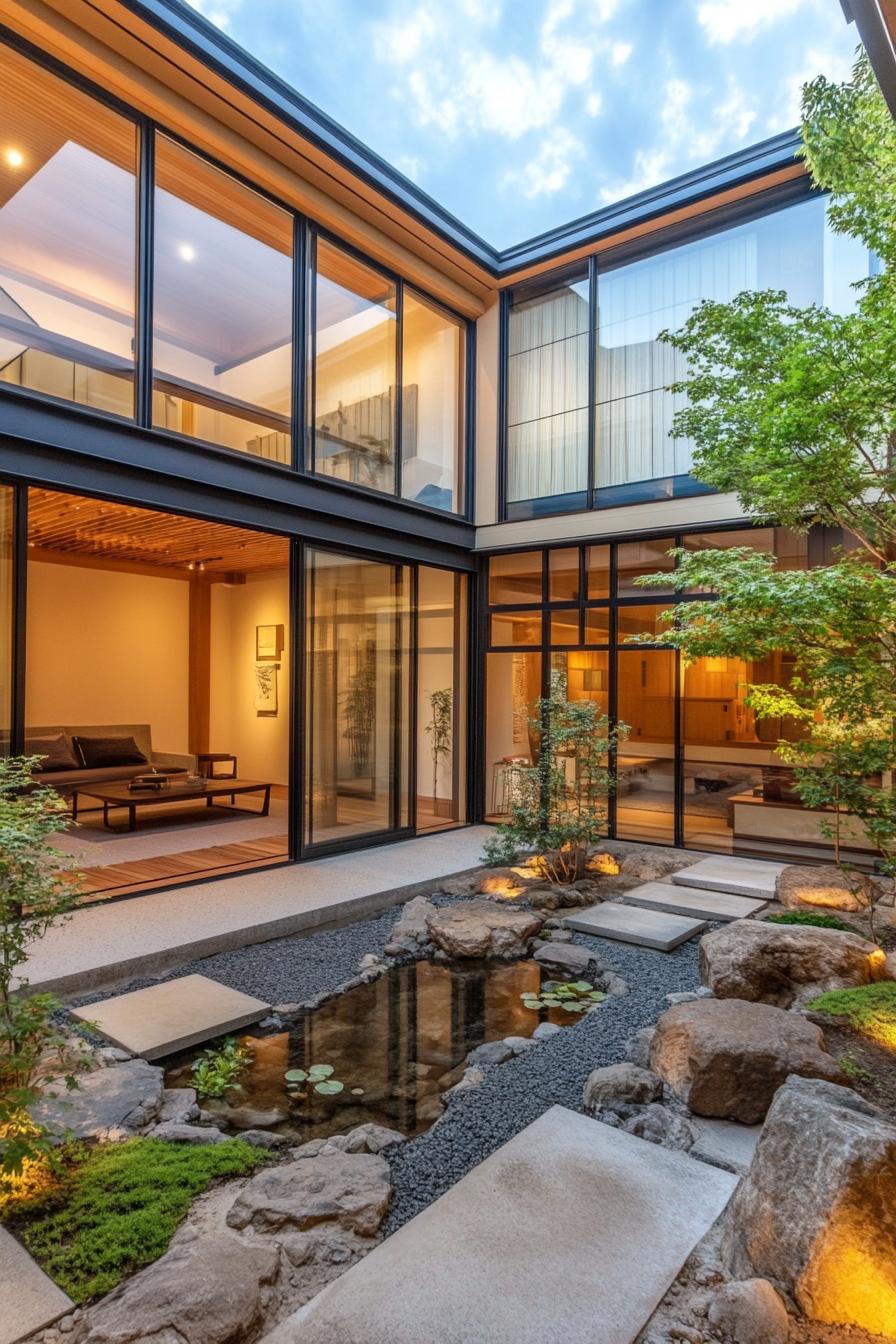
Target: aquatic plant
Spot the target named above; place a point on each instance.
(573, 996)
(316, 1076)
(217, 1071)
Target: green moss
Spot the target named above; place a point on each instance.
(118, 1205)
(870, 1009)
(808, 917)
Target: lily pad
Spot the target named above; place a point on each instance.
(328, 1087)
(319, 1071)
(296, 1076)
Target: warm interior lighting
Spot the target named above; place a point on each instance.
(14, 158)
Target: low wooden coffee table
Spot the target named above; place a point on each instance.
(119, 795)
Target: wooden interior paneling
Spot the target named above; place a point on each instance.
(71, 526)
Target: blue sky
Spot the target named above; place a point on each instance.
(517, 115)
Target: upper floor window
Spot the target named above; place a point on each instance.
(67, 240)
(222, 308)
(563, 454)
(367, 326)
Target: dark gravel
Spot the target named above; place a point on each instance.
(553, 1072)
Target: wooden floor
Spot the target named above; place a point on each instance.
(123, 879)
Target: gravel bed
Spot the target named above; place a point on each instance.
(552, 1072)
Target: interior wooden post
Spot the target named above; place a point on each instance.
(200, 663)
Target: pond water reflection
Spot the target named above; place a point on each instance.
(395, 1044)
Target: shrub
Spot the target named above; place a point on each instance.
(115, 1207)
(870, 1009)
(813, 920)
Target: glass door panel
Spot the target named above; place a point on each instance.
(441, 699)
(645, 808)
(357, 694)
(7, 517)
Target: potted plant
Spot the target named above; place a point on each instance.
(439, 732)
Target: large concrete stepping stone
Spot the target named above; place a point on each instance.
(173, 1016)
(571, 1231)
(29, 1300)
(632, 924)
(693, 901)
(742, 877)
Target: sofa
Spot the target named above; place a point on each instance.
(84, 770)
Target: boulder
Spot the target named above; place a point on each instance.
(371, 1138)
(566, 959)
(637, 1048)
(727, 1058)
(173, 1132)
(263, 1138)
(492, 1052)
(816, 1212)
(483, 928)
(211, 1290)
(112, 1103)
(650, 867)
(179, 1106)
(780, 963)
(545, 1030)
(411, 929)
(749, 1312)
(350, 1189)
(661, 1125)
(825, 887)
(559, 896)
(620, 1083)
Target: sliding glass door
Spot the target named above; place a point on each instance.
(7, 549)
(441, 697)
(357, 697)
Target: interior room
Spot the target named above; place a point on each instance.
(158, 651)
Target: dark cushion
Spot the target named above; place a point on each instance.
(56, 753)
(96, 752)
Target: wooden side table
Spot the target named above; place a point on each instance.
(209, 759)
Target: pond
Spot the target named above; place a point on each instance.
(396, 1044)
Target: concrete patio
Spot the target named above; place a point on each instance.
(108, 944)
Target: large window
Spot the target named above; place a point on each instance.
(695, 767)
(67, 241)
(547, 393)
(222, 315)
(550, 464)
(367, 326)
(7, 547)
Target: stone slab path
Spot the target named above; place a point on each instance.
(29, 1300)
(694, 901)
(633, 924)
(725, 1143)
(742, 877)
(571, 1231)
(172, 1016)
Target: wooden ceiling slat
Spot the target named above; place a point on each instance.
(73, 525)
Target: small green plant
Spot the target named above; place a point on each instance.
(438, 730)
(217, 1071)
(116, 1206)
(814, 921)
(854, 1070)
(573, 996)
(869, 1009)
(317, 1077)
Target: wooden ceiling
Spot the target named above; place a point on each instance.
(69, 528)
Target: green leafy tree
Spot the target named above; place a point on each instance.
(559, 805)
(794, 409)
(37, 890)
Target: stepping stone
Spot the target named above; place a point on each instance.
(719, 905)
(632, 924)
(605, 1218)
(173, 1016)
(30, 1300)
(743, 877)
(724, 1143)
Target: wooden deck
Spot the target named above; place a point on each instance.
(124, 879)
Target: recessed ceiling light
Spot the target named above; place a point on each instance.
(14, 158)
(186, 252)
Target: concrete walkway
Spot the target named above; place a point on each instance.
(572, 1231)
(109, 944)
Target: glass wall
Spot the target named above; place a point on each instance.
(695, 768)
(549, 329)
(354, 371)
(357, 689)
(547, 393)
(7, 615)
(433, 371)
(67, 241)
(441, 688)
(222, 308)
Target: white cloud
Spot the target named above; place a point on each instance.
(219, 12)
(550, 168)
(593, 104)
(620, 52)
(725, 20)
(837, 65)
